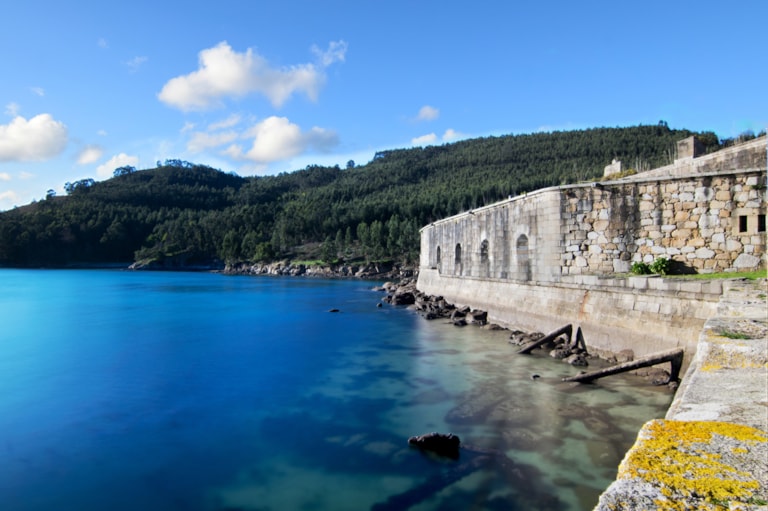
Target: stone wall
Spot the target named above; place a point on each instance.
(704, 221)
(562, 255)
(645, 314)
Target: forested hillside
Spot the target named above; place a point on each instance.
(195, 214)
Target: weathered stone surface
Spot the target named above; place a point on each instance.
(712, 449)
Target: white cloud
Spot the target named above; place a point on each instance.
(276, 139)
(121, 160)
(428, 113)
(4, 176)
(89, 154)
(10, 197)
(102, 133)
(225, 73)
(12, 109)
(26, 175)
(336, 52)
(450, 135)
(202, 140)
(135, 63)
(423, 140)
(38, 138)
(102, 43)
(38, 90)
(229, 122)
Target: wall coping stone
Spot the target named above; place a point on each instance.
(722, 409)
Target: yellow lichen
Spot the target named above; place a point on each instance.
(673, 457)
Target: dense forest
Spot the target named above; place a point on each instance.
(193, 214)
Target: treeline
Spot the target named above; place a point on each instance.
(195, 214)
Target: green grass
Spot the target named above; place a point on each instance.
(734, 335)
(749, 275)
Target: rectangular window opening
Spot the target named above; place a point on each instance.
(743, 223)
(760, 223)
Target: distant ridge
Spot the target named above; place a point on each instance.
(193, 215)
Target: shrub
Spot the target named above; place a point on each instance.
(640, 268)
(660, 266)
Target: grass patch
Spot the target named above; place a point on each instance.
(730, 334)
(749, 275)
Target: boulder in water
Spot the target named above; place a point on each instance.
(439, 443)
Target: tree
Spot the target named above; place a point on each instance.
(328, 250)
(351, 164)
(123, 171)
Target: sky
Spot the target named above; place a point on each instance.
(257, 88)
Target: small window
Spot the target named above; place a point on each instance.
(760, 223)
(484, 251)
(743, 223)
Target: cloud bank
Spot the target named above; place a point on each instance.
(37, 139)
(225, 73)
(277, 138)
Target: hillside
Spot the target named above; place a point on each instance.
(194, 214)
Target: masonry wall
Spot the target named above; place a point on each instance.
(644, 314)
(548, 258)
(705, 222)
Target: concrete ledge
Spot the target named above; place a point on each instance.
(712, 451)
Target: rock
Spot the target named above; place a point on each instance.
(577, 359)
(460, 322)
(560, 353)
(446, 445)
(402, 297)
(478, 316)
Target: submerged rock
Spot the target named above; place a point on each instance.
(446, 445)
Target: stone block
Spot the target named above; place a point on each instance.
(705, 253)
(746, 261)
(723, 195)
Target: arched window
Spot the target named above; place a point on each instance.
(485, 266)
(457, 260)
(439, 261)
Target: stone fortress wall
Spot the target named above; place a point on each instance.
(551, 257)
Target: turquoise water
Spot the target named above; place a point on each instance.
(163, 391)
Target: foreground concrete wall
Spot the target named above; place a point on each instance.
(644, 314)
(717, 424)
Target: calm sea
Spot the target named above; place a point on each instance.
(192, 391)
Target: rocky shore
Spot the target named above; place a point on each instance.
(560, 346)
(373, 271)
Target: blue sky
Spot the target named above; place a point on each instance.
(261, 87)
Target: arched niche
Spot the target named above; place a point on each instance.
(523, 258)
